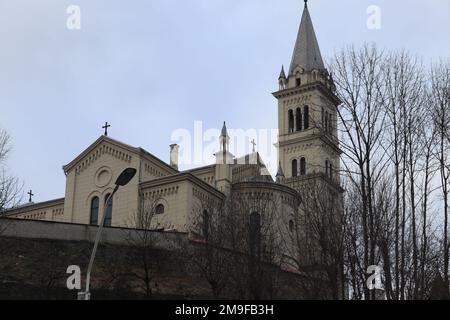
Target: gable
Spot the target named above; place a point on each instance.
(101, 147)
(122, 152)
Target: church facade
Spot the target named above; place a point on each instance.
(308, 149)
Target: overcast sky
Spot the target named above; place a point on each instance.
(151, 67)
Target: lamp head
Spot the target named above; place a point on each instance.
(125, 177)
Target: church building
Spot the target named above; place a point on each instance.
(308, 149)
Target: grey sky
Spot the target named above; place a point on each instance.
(151, 67)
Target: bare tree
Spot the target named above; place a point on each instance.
(315, 238)
(143, 243)
(235, 244)
(406, 89)
(392, 147)
(440, 92)
(255, 241)
(207, 251)
(358, 78)
(10, 188)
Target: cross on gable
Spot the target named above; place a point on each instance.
(31, 194)
(254, 144)
(106, 126)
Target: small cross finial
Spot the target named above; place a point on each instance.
(106, 126)
(306, 3)
(254, 145)
(30, 193)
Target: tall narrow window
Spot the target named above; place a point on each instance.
(306, 117)
(291, 121)
(108, 214)
(323, 118)
(294, 168)
(298, 119)
(326, 168)
(205, 224)
(326, 121)
(94, 211)
(298, 82)
(291, 225)
(302, 166)
(255, 234)
(330, 124)
(331, 171)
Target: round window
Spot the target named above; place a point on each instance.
(103, 177)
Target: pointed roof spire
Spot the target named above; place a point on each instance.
(280, 172)
(306, 52)
(282, 74)
(224, 130)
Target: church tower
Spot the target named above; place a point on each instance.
(308, 145)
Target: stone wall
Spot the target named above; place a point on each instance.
(34, 256)
(32, 229)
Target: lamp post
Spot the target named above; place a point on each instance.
(122, 180)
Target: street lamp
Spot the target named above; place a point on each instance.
(122, 180)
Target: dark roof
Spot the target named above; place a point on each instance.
(306, 52)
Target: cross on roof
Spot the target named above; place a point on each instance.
(254, 144)
(106, 126)
(31, 194)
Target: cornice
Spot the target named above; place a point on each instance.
(34, 206)
(176, 178)
(306, 88)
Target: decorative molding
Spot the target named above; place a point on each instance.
(160, 192)
(299, 148)
(150, 169)
(104, 149)
(57, 212)
(297, 102)
(29, 208)
(40, 215)
(202, 195)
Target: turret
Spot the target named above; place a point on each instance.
(224, 160)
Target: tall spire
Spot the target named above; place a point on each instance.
(224, 130)
(282, 74)
(306, 52)
(224, 139)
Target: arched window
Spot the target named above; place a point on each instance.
(255, 233)
(291, 225)
(205, 224)
(291, 121)
(330, 124)
(298, 119)
(94, 211)
(108, 214)
(298, 82)
(159, 209)
(306, 117)
(294, 168)
(302, 166)
(323, 118)
(331, 171)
